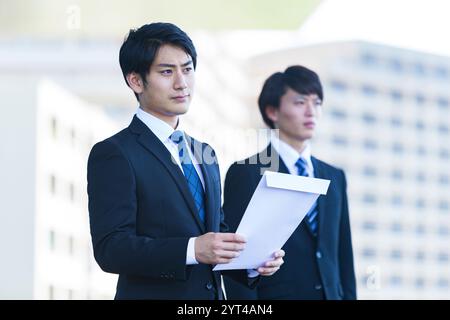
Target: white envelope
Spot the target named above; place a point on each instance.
(278, 206)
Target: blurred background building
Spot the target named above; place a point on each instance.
(386, 121)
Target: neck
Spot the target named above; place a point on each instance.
(170, 120)
(298, 145)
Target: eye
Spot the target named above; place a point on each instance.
(166, 72)
(187, 69)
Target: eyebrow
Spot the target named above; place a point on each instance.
(168, 65)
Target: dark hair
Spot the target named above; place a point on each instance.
(141, 46)
(297, 78)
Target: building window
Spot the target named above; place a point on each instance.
(338, 114)
(51, 292)
(396, 122)
(52, 184)
(396, 227)
(396, 254)
(54, 127)
(369, 118)
(369, 171)
(397, 174)
(443, 257)
(395, 280)
(443, 230)
(444, 179)
(421, 151)
(72, 192)
(395, 65)
(420, 126)
(443, 205)
(443, 283)
(73, 137)
(442, 103)
(369, 90)
(368, 59)
(369, 226)
(369, 198)
(370, 144)
(420, 99)
(444, 154)
(71, 245)
(340, 141)
(421, 177)
(420, 256)
(419, 69)
(369, 252)
(441, 72)
(397, 148)
(396, 200)
(419, 283)
(420, 229)
(52, 240)
(396, 95)
(339, 86)
(443, 129)
(420, 203)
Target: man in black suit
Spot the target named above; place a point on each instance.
(154, 192)
(319, 258)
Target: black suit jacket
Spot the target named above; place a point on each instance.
(142, 215)
(315, 267)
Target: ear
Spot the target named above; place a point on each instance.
(272, 113)
(135, 82)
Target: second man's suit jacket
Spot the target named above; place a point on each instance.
(142, 215)
(314, 267)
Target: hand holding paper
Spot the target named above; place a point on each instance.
(278, 205)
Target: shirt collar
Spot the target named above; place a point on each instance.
(289, 155)
(160, 128)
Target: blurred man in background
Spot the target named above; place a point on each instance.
(319, 257)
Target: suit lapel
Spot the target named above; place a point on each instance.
(273, 154)
(152, 144)
(321, 202)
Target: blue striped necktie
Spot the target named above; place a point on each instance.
(192, 178)
(311, 216)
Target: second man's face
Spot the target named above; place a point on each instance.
(170, 84)
(298, 114)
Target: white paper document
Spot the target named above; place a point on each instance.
(278, 206)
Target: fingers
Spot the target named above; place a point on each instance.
(279, 254)
(231, 237)
(232, 246)
(274, 263)
(267, 271)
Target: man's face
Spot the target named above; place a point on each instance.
(297, 116)
(170, 84)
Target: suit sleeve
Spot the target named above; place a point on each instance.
(237, 194)
(112, 213)
(346, 266)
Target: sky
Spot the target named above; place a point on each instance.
(421, 25)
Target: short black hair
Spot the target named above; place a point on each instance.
(141, 46)
(297, 78)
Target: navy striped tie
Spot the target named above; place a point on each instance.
(193, 180)
(311, 216)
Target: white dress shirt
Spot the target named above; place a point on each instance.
(163, 131)
(290, 156)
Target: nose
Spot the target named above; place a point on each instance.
(310, 107)
(180, 81)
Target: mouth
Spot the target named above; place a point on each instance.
(310, 124)
(181, 98)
